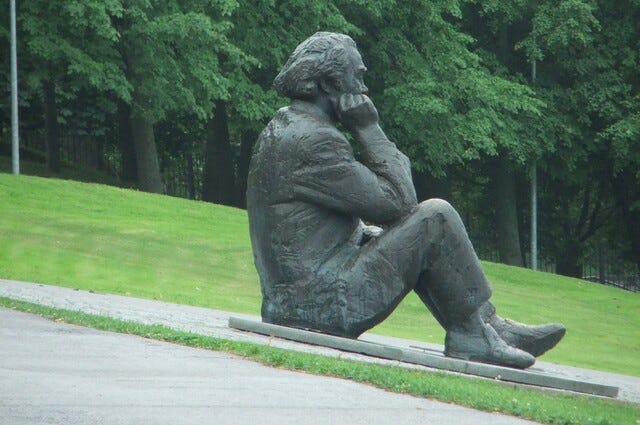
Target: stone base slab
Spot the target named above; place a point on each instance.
(429, 358)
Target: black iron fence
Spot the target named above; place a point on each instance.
(630, 282)
(607, 269)
(180, 174)
(80, 150)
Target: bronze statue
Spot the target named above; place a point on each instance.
(320, 266)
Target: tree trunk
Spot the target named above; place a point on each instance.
(149, 178)
(503, 185)
(99, 154)
(248, 139)
(506, 219)
(127, 148)
(218, 180)
(51, 127)
(602, 264)
(191, 178)
(569, 262)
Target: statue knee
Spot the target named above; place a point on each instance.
(436, 206)
(438, 213)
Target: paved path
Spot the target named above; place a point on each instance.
(55, 373)
(214, 323)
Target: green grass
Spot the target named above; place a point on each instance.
(545, 407)
(120, 241)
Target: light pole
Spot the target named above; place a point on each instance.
(15, 144)
(534, 196)
(534, 217)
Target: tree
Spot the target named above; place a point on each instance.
(589, 83)
(171, 52)
(67, 47)
(218, 177)
(619, 113)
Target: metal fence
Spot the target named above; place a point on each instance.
(598, 267)
(80, 150)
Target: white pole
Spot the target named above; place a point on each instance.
(15, 143)
(534, 197)
(534, 217)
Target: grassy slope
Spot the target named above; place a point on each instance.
(120, 241)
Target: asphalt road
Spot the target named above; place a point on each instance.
(55, 373)
(205, 321)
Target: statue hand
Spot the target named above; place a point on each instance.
(369, 232)
(372, 231)
(356, 111)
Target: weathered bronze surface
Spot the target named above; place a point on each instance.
(320, 266)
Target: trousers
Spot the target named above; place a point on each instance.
(427, 251)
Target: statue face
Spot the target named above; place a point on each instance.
(352, 80)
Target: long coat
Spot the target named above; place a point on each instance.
(307, 197)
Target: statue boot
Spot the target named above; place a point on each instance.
(535, 340)
(477, 341)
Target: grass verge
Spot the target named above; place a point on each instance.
(544, 407)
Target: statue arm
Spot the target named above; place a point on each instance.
(379, 192)
(383, 158)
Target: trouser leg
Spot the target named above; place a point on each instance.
(452, 284)
(429, 252)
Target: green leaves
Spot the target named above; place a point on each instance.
(175, 57)
(72, 38)
(439, 101)
(568, 24)
(624, 136)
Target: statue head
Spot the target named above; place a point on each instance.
(327, 62)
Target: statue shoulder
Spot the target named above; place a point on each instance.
(292, 123)
(315, 127)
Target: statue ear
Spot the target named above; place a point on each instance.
(327, 85)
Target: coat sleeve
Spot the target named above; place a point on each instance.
(379, 191)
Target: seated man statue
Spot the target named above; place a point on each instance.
(320, 267)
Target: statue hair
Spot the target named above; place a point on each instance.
(320, 56)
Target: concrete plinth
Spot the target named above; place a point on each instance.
(433, 359)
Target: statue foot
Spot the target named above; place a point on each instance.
(535, 340)
(483, 344)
